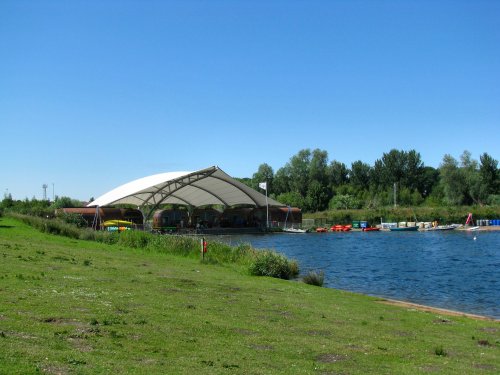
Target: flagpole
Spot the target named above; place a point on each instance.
(263, 185)
(267, 210)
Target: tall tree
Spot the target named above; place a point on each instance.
(281, 181)
(474, 192)
(299, 171)
(428, 181)
(338, 174)
(317, 197)
(360, 174)
(264, 173)
(490, 175)
(452, 180)
(401, 167)
(318, 170)
(413, 169)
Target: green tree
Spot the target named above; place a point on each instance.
(318, 167)
(281, 181)
(412, 170)
(317, 197)
(265, 173)
(344, 201)
(452, 180)
(360, 174)
(474, 190)
(65, 202)
(7, 201)
(291, 198)
(400, 167)
(429, 179)
(338, 174)
(299, 171)
(490, 175)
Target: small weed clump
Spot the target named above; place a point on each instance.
(270, 263)
(314, 278)
(439, 351)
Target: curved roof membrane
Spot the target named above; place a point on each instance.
(204, 187)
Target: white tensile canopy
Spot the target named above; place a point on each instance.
(210, 186)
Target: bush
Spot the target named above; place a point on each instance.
(75, 219)
(439, 351)
(134, 238)
(314, 278)
(270, 263)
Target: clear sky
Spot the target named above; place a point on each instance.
(96, 93)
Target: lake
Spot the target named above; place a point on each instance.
(455, 270)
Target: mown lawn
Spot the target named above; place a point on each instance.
(71, 306)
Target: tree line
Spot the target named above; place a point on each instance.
(312, 182)
(36, 207)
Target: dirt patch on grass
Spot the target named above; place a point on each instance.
(442, 321)
(490, 329)
(434, 310)
(262, 347)
(331, 358)
(242, 331)
(319, 333)
(431, 369)
(483, 366)
(54, 369)
(401, 333)
(80, 344)
(171, 290)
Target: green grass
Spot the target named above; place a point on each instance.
(73, 306)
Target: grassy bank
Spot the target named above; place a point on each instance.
(74, 306)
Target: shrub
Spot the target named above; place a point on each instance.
(439, 351)
(72, 218)
(314, 278)
(270, 263)
(134, 238)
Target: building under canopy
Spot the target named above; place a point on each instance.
(209, 186)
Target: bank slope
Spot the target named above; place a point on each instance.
(69, 306)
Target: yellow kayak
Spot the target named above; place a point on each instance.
(117, 223)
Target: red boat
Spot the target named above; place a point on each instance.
(321, 230)
(341, 228)
(371, 229)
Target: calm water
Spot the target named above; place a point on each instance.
(442, 269)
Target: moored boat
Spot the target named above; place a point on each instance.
(404, 229)
(294, 230)
(370, 229)
(321, 230)
(443, 227)
(341, 228)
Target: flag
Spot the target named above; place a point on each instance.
(263, 185)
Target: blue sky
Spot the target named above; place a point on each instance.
(95, 93)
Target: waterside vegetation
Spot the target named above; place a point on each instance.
(258, 263)
(314, 183)
(73, 306)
